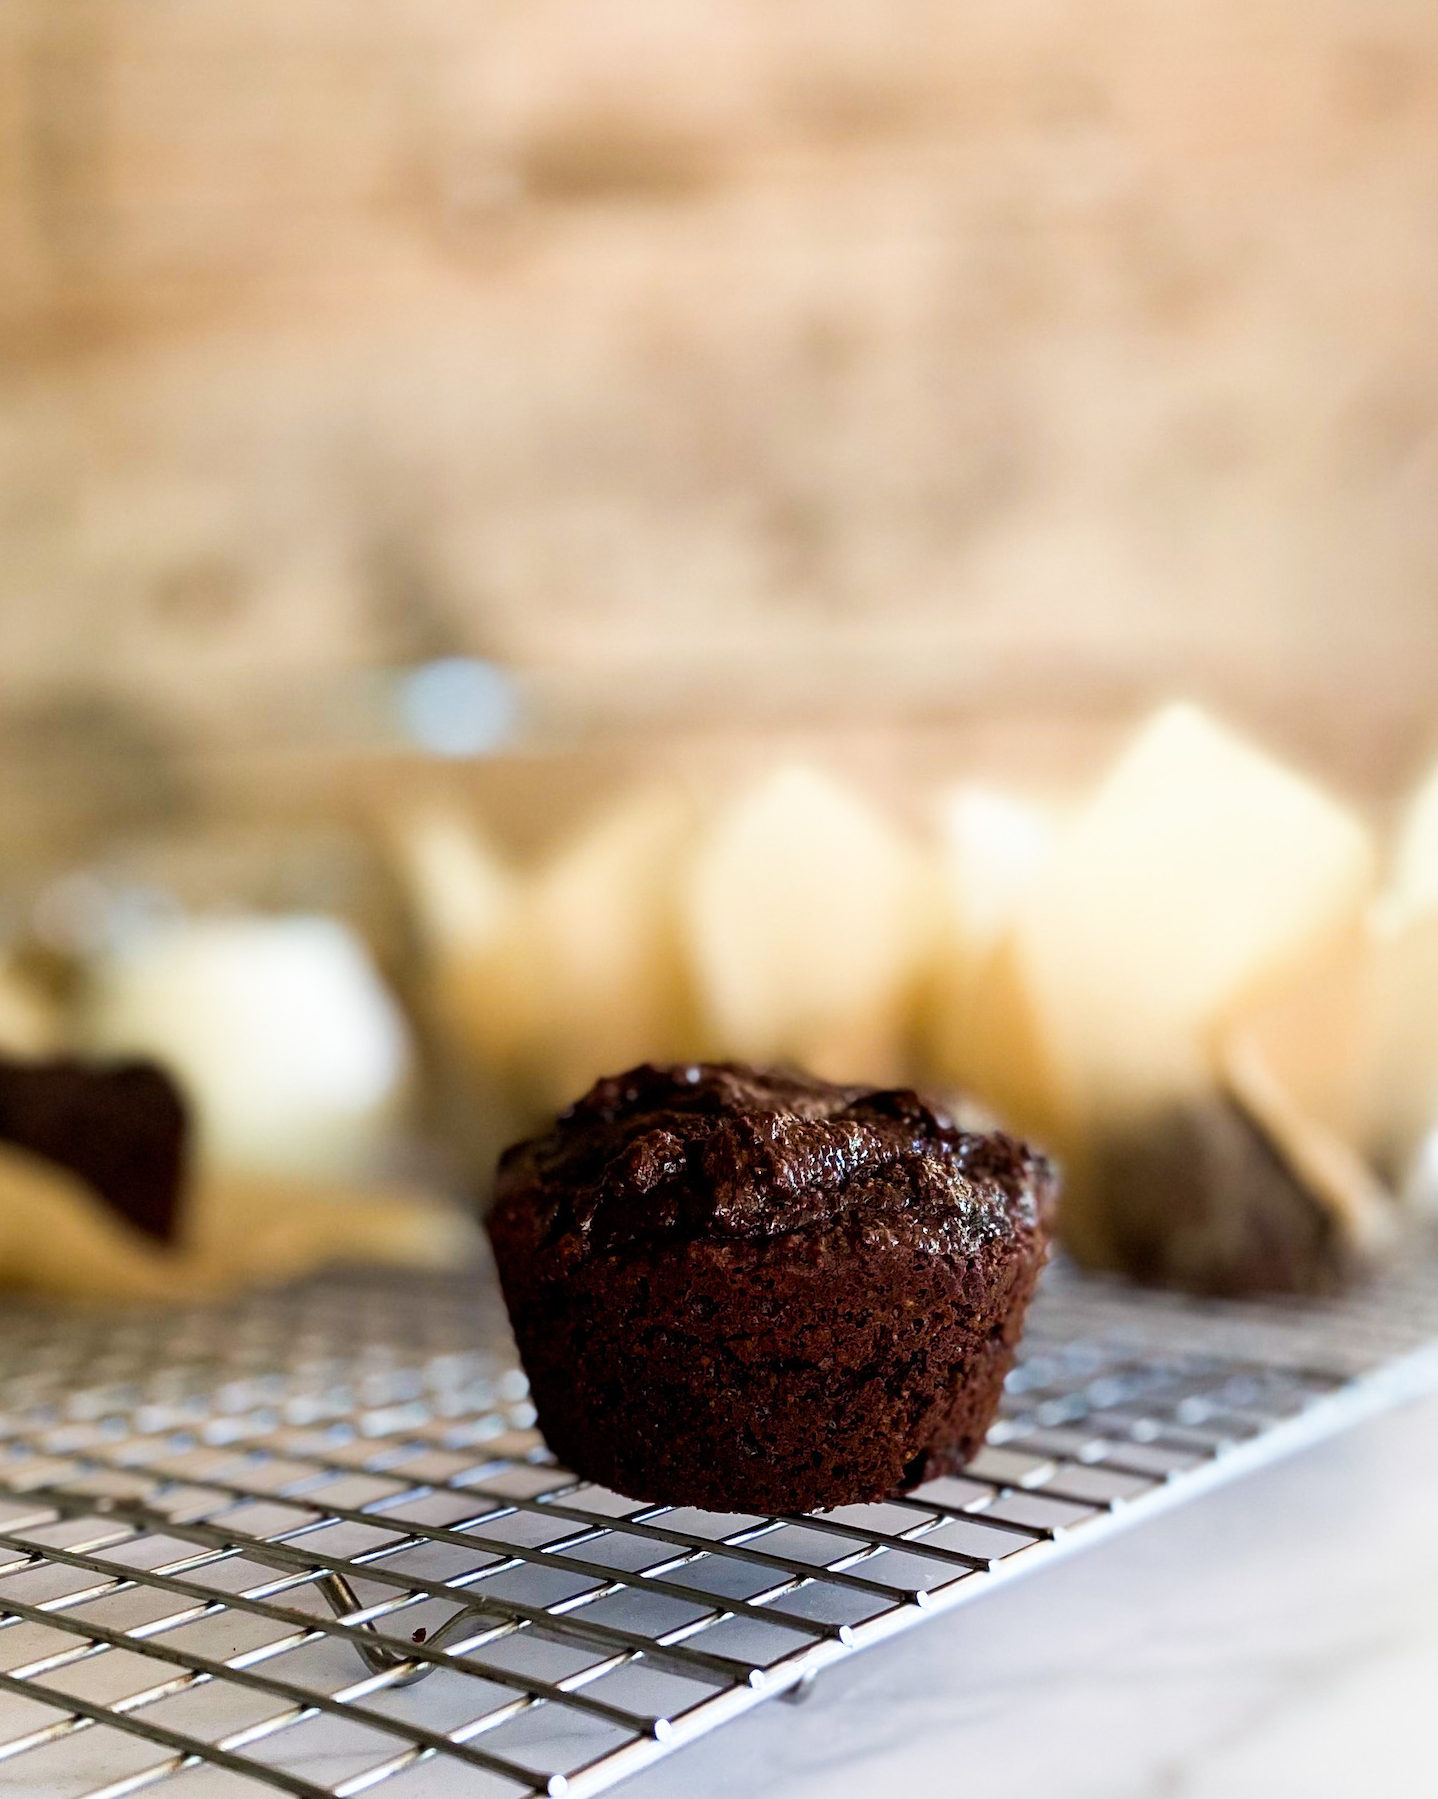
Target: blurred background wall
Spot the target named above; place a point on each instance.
(711, 360)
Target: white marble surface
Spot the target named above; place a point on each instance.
(1277, 1639)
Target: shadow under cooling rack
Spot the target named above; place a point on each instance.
(309, 1542)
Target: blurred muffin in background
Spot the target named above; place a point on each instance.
(296, 1062)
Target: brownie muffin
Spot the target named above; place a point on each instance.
(121, 1127)
(757, 1292)
(1201, 1197)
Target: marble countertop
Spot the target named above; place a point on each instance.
(1277, 1639)
(1274, 1639)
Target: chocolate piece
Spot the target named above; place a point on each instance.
(760, 1292)
(120, 1127)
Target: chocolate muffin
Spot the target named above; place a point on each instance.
(758, 1292)
(121, 1127)
(1197, 1198)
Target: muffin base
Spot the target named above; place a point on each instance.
(685, 1376)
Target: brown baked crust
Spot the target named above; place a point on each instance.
(760, 1292)
(121, 1127)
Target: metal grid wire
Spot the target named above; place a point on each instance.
(309, 1542)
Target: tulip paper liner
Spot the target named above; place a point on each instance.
(310, 1536)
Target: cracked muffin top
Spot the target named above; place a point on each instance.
(721, 1152)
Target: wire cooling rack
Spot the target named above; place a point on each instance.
(310, 1543)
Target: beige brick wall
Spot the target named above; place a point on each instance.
(948, 347)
